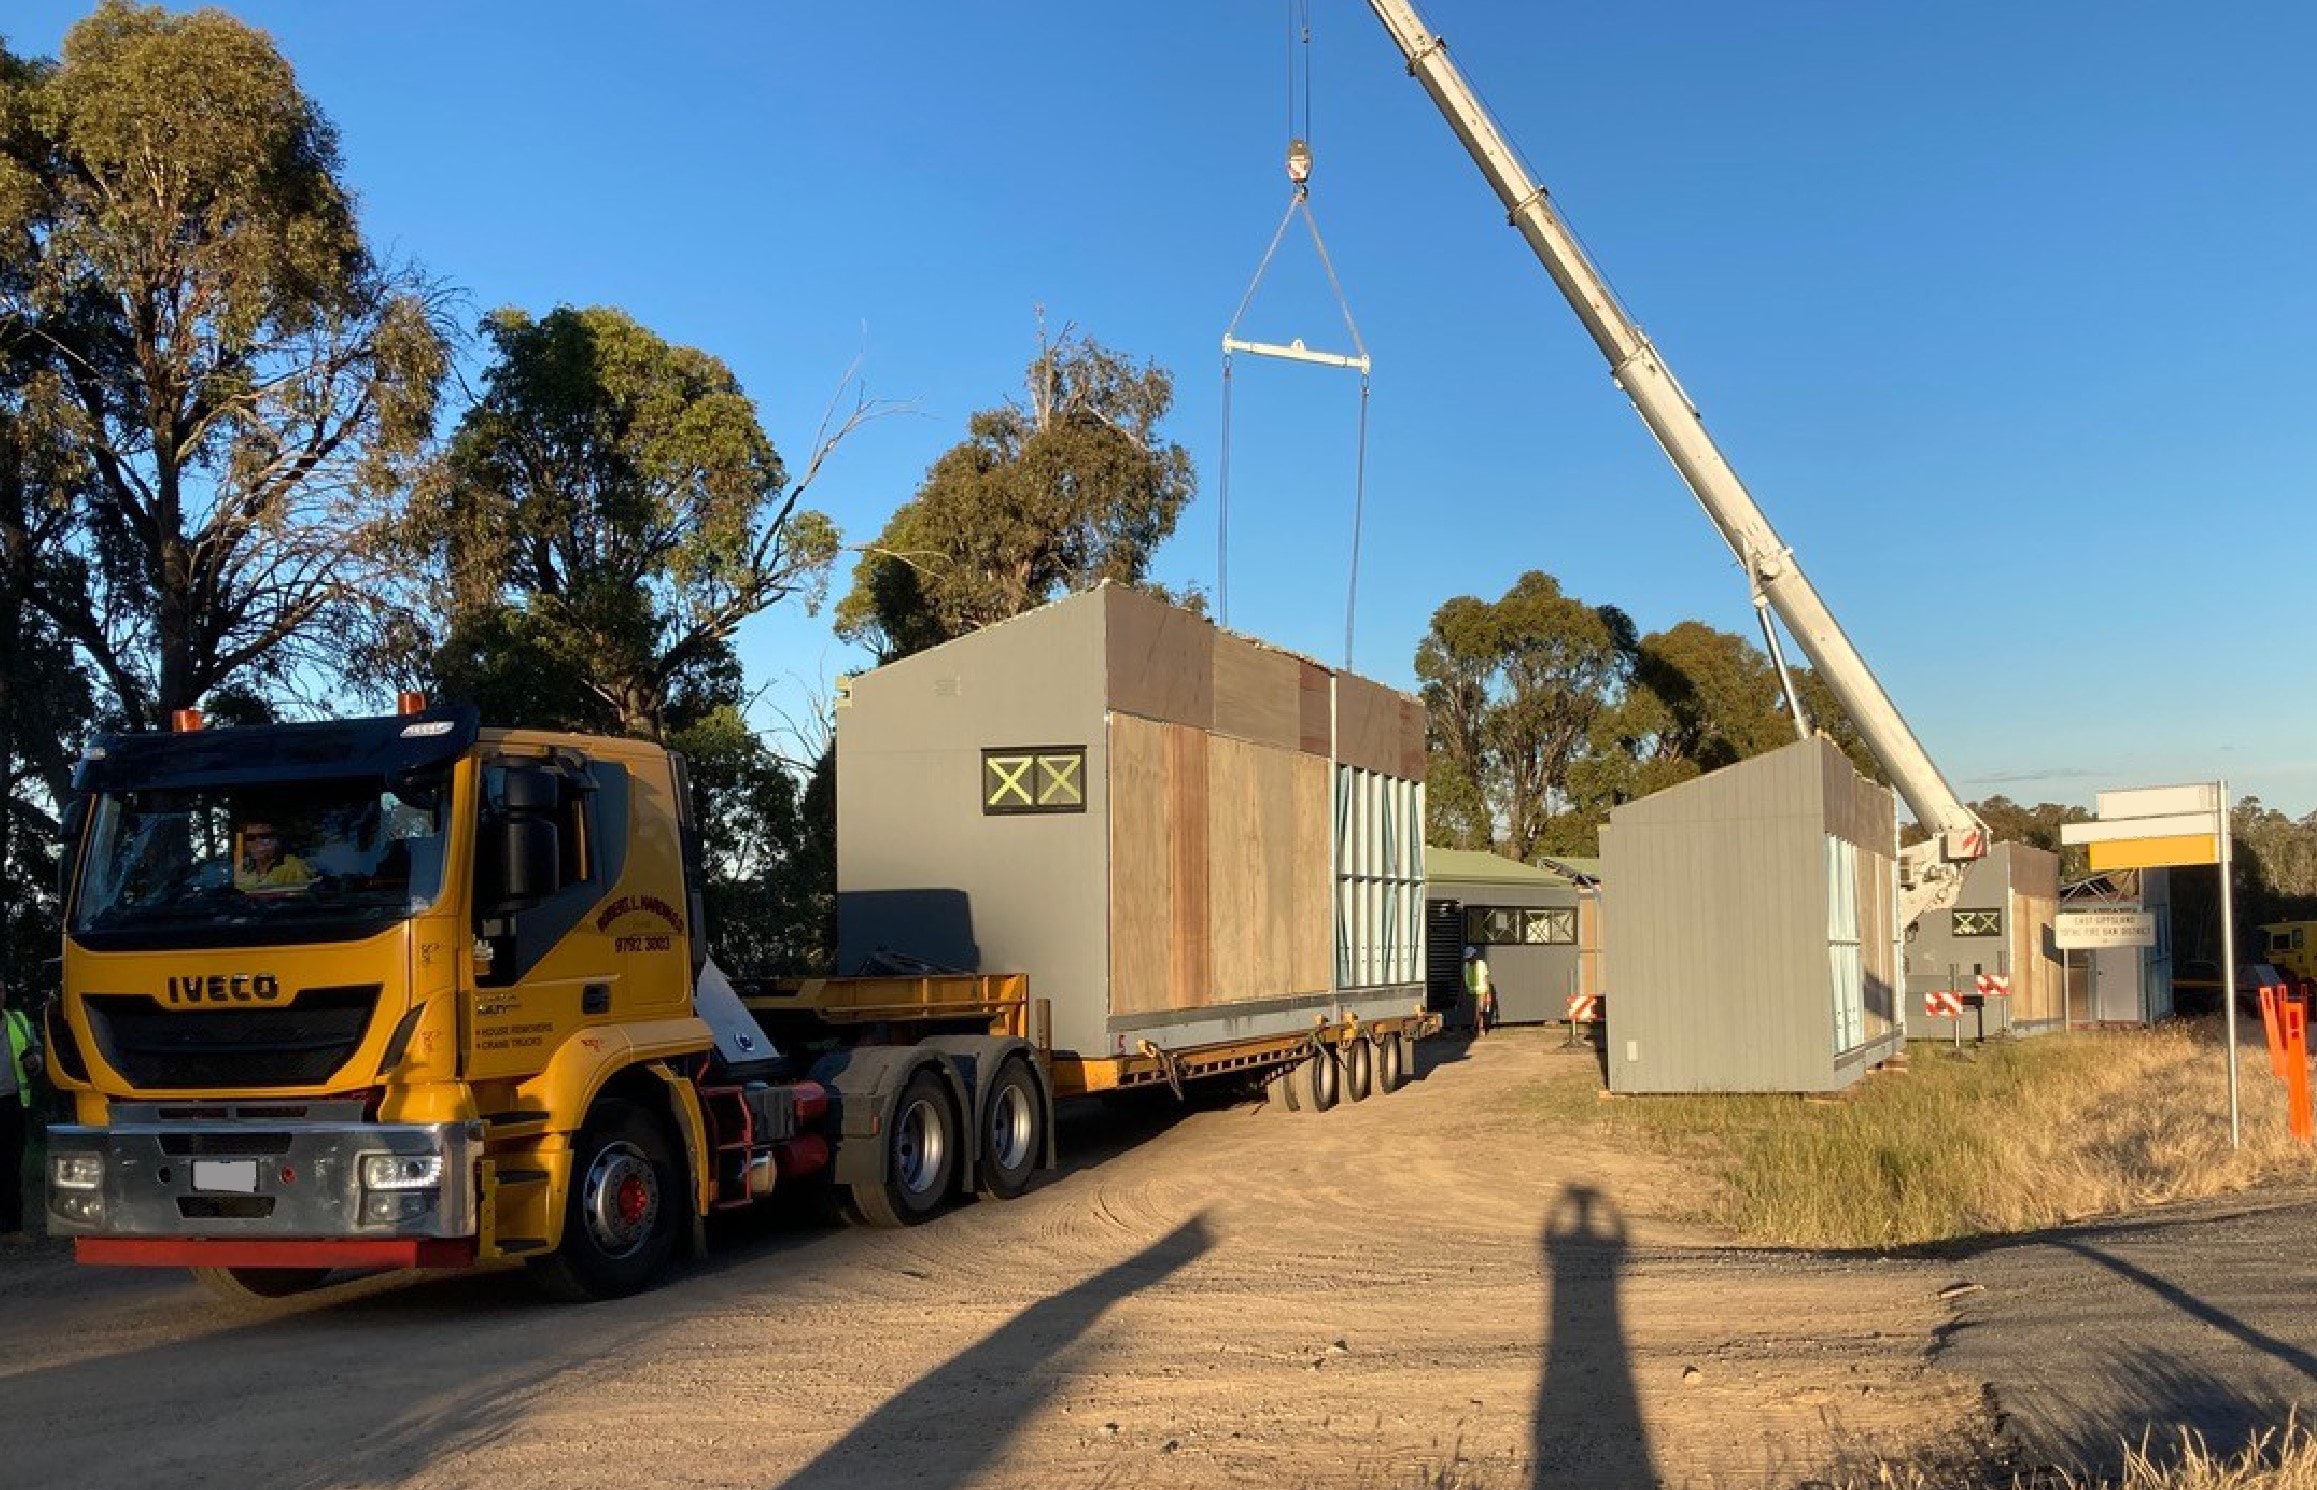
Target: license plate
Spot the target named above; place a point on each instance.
(229, 1176)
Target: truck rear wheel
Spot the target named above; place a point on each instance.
(1391, 1062)
(1359, 1067)
(920, 1158)
(244, 1287)
(1013, 1132)
(620, 1214)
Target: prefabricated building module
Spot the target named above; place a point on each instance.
(1183, 836)
(1752, 935)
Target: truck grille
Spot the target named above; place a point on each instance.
(303, 1044)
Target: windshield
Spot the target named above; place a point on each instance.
(314, 861)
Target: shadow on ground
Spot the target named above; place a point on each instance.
(950, 1424)
(1588, 1429)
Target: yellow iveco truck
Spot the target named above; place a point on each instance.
(405, 992)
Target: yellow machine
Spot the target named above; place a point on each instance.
(407, 992)
(2291, 945)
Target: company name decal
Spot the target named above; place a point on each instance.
(648, 905)
(225, 988)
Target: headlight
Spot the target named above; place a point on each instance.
(76, 1171)
(401, 1171)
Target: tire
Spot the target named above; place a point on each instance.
(622, 1210)
(920, 1158)
(1318, 1081)
(1391, 1063)
(250, 1287)
(1359, 1068)
(1013, 1132)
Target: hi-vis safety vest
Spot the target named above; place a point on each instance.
(20, 1041)
(1476, 980)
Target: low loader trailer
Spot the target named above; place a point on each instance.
(406, 992)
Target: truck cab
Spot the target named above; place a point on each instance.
(408, 992)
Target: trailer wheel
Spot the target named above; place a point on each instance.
(1391, 1062)
(246, 1287)
(920, 1158)
(1013, 1132)
(620, 1216)
(1359, 1068)
(1317, 1081)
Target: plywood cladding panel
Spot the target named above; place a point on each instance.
(1160, 660)
(1313, 702)
(1258, 693)
(1159, 866)
(1368, 728)
(1270, 925)
(2035, 984)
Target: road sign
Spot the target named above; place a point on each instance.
(2154, 853)
(1993, 985)
(2154, 827)
(1943, 1003)
(2149, 841)
(2160, 801)
(2121, 925)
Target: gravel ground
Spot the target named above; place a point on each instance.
(2197, 1317)
(1421, 1289)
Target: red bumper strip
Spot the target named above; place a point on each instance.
(226, 1252)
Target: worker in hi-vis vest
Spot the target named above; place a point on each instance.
(1480, 989)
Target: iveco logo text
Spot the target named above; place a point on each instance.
(225, 988)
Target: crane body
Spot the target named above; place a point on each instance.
(1956, 834)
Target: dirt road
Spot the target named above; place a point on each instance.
(1232, 1297)
(2198, 1317)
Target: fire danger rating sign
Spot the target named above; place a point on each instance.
(2079, 928)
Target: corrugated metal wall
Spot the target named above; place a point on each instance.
(1716, 922)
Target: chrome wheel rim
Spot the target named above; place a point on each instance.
(1011, 1126)
(621, 1200)
(920, 1145)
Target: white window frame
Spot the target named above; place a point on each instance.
(1845, 950)
(1379, 879)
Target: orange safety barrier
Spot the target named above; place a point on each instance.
(2294, 1015)
(2274, 1030)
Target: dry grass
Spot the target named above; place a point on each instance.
(2010, 1136)
(2284, 1458)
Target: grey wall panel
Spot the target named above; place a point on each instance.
(921, 869)
(1718, 975)
(1533, 983)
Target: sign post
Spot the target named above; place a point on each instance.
(2228, 955)
(2162, 826)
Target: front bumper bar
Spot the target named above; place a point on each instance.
(257, 1176)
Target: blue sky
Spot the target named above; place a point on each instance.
(2004, 312)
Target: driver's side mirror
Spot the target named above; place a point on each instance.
(530, 840)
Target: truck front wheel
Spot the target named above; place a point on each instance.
(920, 1158)
(620, 1214)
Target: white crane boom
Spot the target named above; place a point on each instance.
(1770, 565)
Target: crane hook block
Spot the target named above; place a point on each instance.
(1298, 162)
